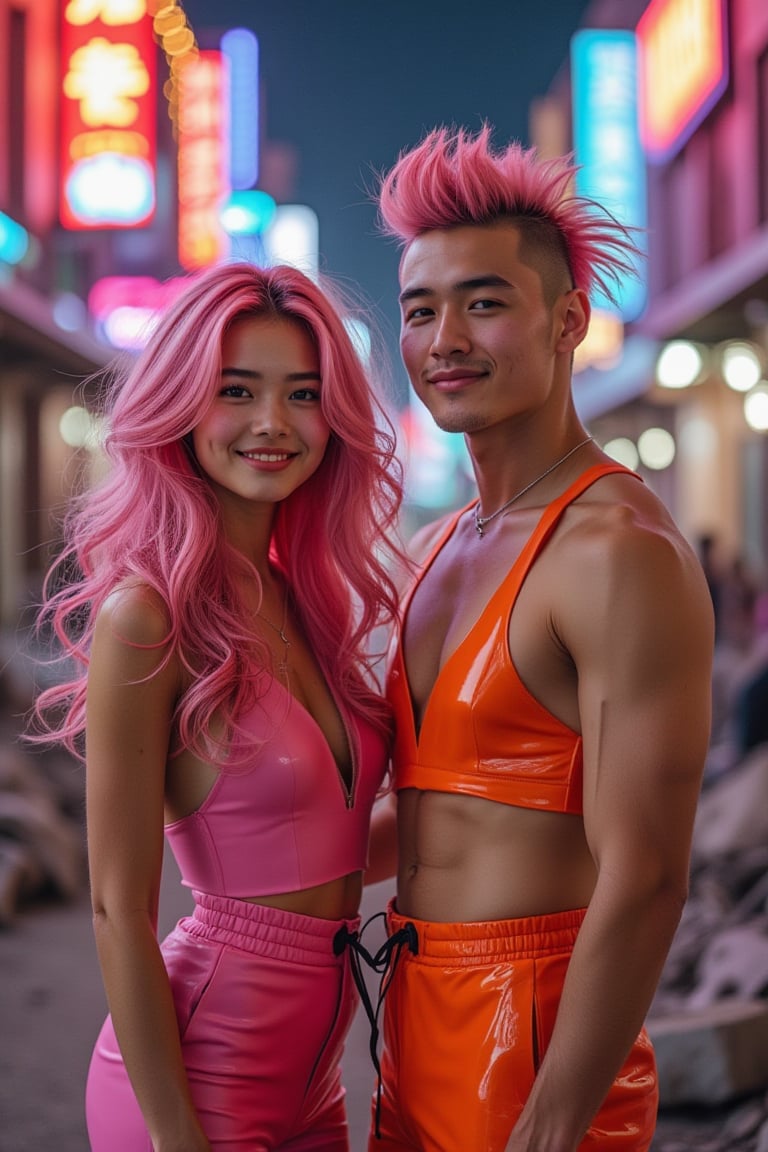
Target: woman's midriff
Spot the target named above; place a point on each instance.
(334, 900)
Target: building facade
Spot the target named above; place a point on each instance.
(704, 111)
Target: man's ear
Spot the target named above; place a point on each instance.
(573, 315)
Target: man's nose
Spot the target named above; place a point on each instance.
(450, 335)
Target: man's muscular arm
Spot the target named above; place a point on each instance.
(636, 620)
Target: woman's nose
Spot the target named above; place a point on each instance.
(270, 418)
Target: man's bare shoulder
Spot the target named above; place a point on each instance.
(425, 538)
(619, 512)
(624, 550)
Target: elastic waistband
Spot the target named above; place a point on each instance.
(526, 938)
(266, 931)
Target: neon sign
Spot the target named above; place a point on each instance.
(14, 240)
(241, 50)
(127, 308)
(203, 174)
(611, 166)
(683, 70)
(108, 89)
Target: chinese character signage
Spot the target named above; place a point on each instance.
(108, 96)
(204, 185)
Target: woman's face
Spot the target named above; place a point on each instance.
(264, 434)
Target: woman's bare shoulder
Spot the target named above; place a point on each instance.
(135, 613)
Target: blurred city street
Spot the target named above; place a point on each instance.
(144, 143)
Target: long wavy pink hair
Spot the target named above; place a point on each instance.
(155, 518)
(453, 177)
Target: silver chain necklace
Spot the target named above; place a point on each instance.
(282, 667)
(481, 521)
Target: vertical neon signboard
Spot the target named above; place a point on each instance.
(203, 173)
(108, 91)
(683, 70)
(606, 142)
(241, 51)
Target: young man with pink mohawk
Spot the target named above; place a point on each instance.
(551, 691)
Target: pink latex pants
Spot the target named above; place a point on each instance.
(264, 1004)
(467, 1018)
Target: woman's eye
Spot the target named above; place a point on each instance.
(305, 394)
(236, 391)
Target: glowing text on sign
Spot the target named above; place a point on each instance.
(611, 166)
(203, 161)
(683, 70)
(108, 144)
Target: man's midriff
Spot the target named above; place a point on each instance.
(466, 859)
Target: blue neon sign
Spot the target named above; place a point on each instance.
(607, 147)
(240, 48)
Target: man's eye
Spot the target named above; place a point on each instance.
(418, 313)
(482, 305)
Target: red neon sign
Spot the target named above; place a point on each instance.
(683, 70)
(203, 161)
(108, 90)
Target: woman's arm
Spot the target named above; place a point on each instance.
(130, 702)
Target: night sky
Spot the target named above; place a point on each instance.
(349, 84)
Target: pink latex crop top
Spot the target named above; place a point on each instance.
(483, 733)
(285, 821)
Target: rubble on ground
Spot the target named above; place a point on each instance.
(709, 1019)
(42, 804)
(41, 847)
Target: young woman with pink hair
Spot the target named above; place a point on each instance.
(231, 572)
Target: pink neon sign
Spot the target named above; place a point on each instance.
(108, 91)
(203, 161)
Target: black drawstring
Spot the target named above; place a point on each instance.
(380, 962)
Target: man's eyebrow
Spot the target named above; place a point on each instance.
(247, 374)
(487, 281)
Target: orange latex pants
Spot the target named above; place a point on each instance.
(466, 1022)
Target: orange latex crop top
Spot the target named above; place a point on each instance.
(483, 733)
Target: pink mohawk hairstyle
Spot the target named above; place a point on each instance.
(153, 519)
(453, 178)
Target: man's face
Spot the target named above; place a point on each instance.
(478, 340)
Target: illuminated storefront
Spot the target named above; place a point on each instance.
(702, 91)
(44, 347)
